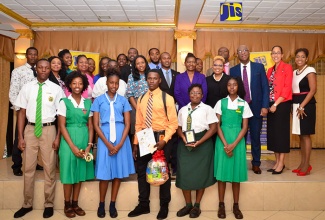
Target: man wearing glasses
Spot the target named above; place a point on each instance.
(257, 91)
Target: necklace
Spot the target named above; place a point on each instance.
(298, 72)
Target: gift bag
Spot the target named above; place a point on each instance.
(157, 169)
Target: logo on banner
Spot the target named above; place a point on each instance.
(231, 11)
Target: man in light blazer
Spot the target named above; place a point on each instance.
(258, 99)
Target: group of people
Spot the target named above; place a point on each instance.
(199, 121)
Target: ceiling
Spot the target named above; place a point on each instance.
(258, 15)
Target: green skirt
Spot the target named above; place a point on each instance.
(195, 168)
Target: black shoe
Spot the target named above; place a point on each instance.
(222, 211)
(113, 213)
(48, 212)
(238, 214)
(101, 212)
(270, 170)
(184, 211)
(23, 211)
(39, 167)
(279, 172)
(18, 172)
(163, 213)
(195, 212)
(139, 210)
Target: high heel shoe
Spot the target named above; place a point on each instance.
(279, 172)
(270, 170)
(305, 173)
(296, 170)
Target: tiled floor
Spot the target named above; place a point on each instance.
(205, 215)
(291, 161)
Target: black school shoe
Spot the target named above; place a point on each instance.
(163, 213)
(139, 210)
(48, 212)
(21, 212)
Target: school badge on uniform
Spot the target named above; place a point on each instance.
(51, 98)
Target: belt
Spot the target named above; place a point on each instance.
(43, 125)
(301, 93)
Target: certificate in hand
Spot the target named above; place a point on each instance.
(147, 141)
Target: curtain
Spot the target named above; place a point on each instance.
(6, 56)
(107, 43)
(208, 42)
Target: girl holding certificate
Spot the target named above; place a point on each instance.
(197, 122)
(230, 151)
(114, 156)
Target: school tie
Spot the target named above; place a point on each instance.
(38, 121)
(34, 71)
(246, 86)
(148, 120)
(112, 128)
(168, 78)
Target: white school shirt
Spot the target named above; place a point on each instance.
(201, 117)
(233, 105)
(100, 87)
(51, 95)
(62, 110)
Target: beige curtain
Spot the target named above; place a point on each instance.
(6, 55)
(107, 43)
(208, 42)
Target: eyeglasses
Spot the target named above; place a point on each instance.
(196, 93)
(218, 65)
(242, 51)
(277, 53)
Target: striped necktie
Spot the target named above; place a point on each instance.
(38, 121)
(148, 120)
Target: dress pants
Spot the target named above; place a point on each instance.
(255, 126)
(33, 146)
(144, 186)
(16, 152)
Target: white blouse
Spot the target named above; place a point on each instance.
(201, 117)
(62, 110)
(233, 105)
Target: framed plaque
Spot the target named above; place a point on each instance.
(190, 136)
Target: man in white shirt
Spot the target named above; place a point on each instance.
(38, 101)
(19, 77)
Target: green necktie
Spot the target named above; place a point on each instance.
(38, 122)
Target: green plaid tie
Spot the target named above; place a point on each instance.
(38, 122)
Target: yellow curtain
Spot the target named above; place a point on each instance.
(208, 43)
(107, 43)
(6, 55)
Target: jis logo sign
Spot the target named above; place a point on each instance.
(231, 11)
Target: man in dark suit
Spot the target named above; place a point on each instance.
(127, 69)
(257, 96)
(167, 85)
(167, 74)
